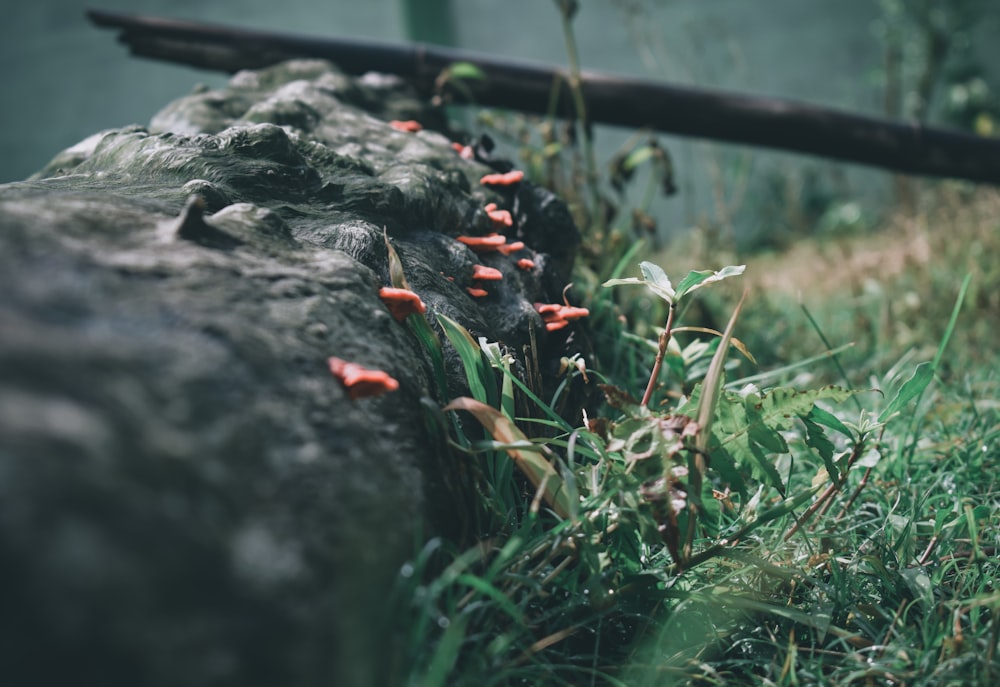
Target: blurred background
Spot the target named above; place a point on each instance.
(913, 59)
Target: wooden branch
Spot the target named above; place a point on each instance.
(611, 99)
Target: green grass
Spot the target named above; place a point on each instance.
(881, 574)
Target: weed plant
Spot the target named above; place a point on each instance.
(713, 523)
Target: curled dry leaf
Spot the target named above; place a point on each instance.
(533, 464)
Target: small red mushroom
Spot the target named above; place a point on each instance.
(360, 382)
(500, 218)
(410, 125)
(483, 244)
(526, 264)
(464, 152)
(510, 178)
(486, 273)
(569, 312)
(476, 292)
(509, 248)
(557, 316)
(401, 302)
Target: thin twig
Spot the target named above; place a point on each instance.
(661, 350)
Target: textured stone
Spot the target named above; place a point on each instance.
(187, 496)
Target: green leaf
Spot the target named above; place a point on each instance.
(912, 387)
(712, 385)
(657, 281)
(698, 278)
(446, 653)
(465, 70)
(743, 426)
(476, 373)
(534, 465)
(654, 278)
(817, 440)
(637, 156)
(828, 419)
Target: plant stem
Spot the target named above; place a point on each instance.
(660, 352)
(590, 160)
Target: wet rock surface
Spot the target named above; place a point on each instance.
(187, 496)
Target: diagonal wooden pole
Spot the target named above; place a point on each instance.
(611, 99)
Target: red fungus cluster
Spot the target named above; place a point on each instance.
(509, 179)
(464, 152)
(401, 302)
(361, 382)
(486, 273)
(501, 218)
(557, 316)
(409, 125)
(484, 244)
(508, 248)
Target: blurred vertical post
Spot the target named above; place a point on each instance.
(429, 21)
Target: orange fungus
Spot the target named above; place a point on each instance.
(464, 152)
(509, 248)
(410, 125)
(508, 179)
(483, 244)
(557, 316)
(500, 218)
(401, 302)
(486, 273)
(360, 382)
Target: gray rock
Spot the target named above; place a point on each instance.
(187, 496)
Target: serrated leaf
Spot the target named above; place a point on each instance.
(828, 419)
(739, 422)
(911, 388)
(534, 465)
(698, 278)
(817, 440)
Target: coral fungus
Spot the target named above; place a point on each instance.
(509, 248)
(464, 152)
(557, 316)
(483, 244)
(361, 382)
(410, 125)
(500, 218)
(486, 273)
(526, 264)
(401, 302)
(510, 178)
